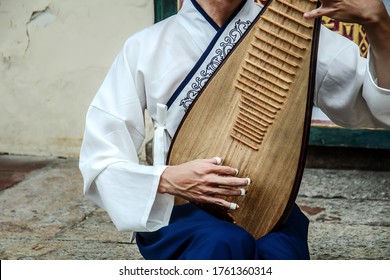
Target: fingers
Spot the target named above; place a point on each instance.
(219, 175)
(217, 190)
(211, 193)
(327, 9)
(319, 12)
(233, 206)
(227, 181)
(220, 169)
(218, 160)
(206, 181)
(312, 14)
(221, 203)
(215, 160)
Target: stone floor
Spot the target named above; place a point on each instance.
(344, 192)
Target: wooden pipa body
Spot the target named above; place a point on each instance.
(255, 113)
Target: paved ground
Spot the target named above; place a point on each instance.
(345, 194)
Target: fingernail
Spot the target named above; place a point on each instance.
(249, 181)
(219, 160)
(237, 172)
(233, 206)
(242, 192)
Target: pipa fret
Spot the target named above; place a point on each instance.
(259, 82)
(294, 32)
(272, 44)
(268, 70)
(302, 23)
(302, 47)
(264, 69)
(274, 64)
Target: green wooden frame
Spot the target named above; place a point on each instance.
(164, 9)
(343, 137)
(328, 135)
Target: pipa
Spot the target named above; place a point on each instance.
(255, 114)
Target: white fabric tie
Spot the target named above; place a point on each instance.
(160, 141)
(160, 136)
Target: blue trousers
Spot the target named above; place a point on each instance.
(194, 234)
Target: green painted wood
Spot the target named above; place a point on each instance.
(342, 137)
(164, 9)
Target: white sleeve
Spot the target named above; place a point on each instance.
(114, 133)
(345, 85)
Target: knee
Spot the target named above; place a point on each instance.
(230, 242)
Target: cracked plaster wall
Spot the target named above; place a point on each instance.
(54, 55)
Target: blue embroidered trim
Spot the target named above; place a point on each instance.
(194, 70)
(220, 54)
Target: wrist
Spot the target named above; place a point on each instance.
(376, 13)
(164, 185)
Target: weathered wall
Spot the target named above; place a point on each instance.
(54, 55)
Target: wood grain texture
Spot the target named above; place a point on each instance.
(255, 113)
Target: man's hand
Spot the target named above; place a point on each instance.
(363, 12)
(372, 15)
(200, 181)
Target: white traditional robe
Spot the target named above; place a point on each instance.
(149, 69)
